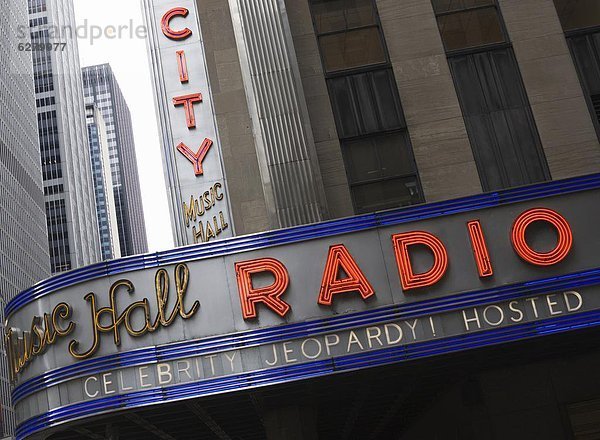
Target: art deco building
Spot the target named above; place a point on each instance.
(23, 239)
(102, 89)
(387, 217)
(328, 108)
(66, 167)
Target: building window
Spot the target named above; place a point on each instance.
(381, 172)
(580, 20)
(498, 118)
(469, 23)
(375, 144)
(58, 236)
(349, 34)
(578, 14)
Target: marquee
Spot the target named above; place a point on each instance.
(315, 300)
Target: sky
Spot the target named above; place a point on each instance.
(128, 58)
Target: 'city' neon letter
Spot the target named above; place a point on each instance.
(166, 26)
(188, 101)
(198, 157)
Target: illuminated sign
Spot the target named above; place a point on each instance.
(191, 148)
(341, 275)
(308, 301)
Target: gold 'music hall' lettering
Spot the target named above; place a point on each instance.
(116, 320)
(24, 346)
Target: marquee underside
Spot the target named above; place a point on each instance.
(379, 403)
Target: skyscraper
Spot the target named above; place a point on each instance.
(66, 169)
(103, 187)
(23, 240)
(101, 88)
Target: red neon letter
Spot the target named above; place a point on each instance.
(339, 258)
(563, 246)
(188, 104)
(166, 28)
(409, 279)
(480, 250)
(269, 295)
(198, 157)
(182, 66)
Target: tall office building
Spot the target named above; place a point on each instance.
(105, 197)
(23, 240)
(102, 89)
(66, 167)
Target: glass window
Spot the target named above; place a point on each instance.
(387, 194)
(378, 158)
(470, 28)
(578, 14)
(381, 172)
(498, 119)
(466, 24)
(349, 34)
(339, 15)
(585, 49)
(366, 103)
(347, 50)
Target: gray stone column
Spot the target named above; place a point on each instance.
(283, 135)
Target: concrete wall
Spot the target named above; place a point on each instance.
(435, 122)
(327, 143)
(559, 108)
(235, 130)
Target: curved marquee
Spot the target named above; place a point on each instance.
(314, 300)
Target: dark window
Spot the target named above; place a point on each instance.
(58, 236)
(578, 14)
(366, 103)
(585, 49)
(381, 172)
(498, 118)
(349, 34)
(37, 6)
(375, 144)
(468, 23)
(580, 19)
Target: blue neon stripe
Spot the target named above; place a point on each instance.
(302, 233)
(300, 330)
(308, 370)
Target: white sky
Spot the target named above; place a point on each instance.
(128, 58)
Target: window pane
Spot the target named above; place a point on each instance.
(351, 49)
(378, 157)
(498, 118)
(338, 15)
(578, 14)
(386, 194)
(365, 103)
(471, 29)
(363, 163)
(441, 6)
(586, 52)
